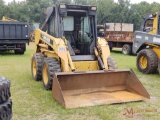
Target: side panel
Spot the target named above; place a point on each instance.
(119, 32)
(86, 65)
(14, 31)
(125, 27)
(141, 38)
(116, 36)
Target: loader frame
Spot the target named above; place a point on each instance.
(81, 74)
(147, 44)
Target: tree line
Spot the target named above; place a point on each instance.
(107, 10)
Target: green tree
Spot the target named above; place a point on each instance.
(2, 8)
(107, 10)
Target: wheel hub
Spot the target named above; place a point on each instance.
(143, 62)
(125, 50)
(34, 67)
(45, 74)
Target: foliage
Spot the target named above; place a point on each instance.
(108, 10)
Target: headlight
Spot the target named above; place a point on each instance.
(62, 6)
(94, 8)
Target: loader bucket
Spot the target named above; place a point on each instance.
(97, 87)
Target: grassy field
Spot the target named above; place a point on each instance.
(32, 102)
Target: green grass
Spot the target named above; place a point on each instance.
(32, 102)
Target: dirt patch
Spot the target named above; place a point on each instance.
(152, 99)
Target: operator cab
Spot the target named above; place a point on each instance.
(78, 28)
(77, 31)
(148, 26)
(151, 23)
(77, 23)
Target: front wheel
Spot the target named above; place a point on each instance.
(147, 61)
(36, 66)
(50, 66)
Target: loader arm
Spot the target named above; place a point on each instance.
(44, 42)
(103, 50)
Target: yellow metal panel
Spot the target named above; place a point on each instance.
(42, 40)
(50, 54)
(103, 50)
(71, 65)
(157, 51)
(86, 65)
(155, 24)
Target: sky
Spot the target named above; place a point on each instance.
(132, 1)
(138, 1)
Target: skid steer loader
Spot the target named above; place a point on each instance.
(76, 65)
(146, 44)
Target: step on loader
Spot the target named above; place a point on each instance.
(77, 66)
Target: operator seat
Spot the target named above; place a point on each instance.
(71, 43)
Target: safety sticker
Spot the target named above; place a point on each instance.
(137, 36)
(61, 49)
(156, 40)
(146, 38)
(46, 39)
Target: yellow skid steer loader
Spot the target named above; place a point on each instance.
(76, 65)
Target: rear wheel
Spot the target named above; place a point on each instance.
(112, 64)
(50, 66)
(36, 66)
(110, 46)
(127, 49)
(159, 66)
(19, 51)
(147, 61)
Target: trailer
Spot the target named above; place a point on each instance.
(119, 35)
(13, 36)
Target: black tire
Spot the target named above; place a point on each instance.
(159, 66)
(20, 52)
(6, 110)
(36, 66)
(110, 46)
(147, 61)
(4, 89)
(112, 64)
(127, 49)
(50, 66)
